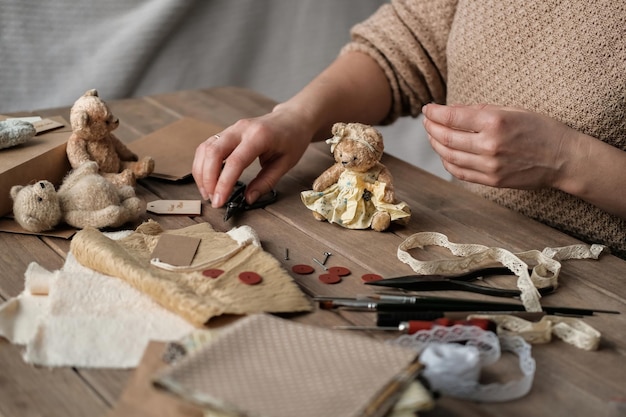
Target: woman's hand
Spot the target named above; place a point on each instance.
(500, 146)
(514, 148)
(278, 139)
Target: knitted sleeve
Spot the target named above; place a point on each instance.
(408, 38)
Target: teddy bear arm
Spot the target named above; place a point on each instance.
(328, 177)
(76, 150)
(105, 217)
(386, 177)
(122, 150)
(86, 168)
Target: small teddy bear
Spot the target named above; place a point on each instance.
(91, 140)
(85, 198)
(357, 191)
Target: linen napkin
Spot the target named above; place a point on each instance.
(265, 366)
(78, 317)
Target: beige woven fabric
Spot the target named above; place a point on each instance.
(264, 366)
(563, 59)
(192, 295)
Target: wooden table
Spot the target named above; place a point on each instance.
(568, 381)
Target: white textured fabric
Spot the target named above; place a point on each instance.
(77, 317)
(454, 369)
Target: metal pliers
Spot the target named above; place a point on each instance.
(455, 282)
(236, 203)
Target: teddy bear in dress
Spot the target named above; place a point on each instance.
(91, 140)
(356, 192)
(84, 199)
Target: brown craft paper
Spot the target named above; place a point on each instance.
(41, 158)
(173, 147)
(141, 399)
(9, 225)
(176, 250)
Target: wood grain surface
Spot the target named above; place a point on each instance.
(568, 381)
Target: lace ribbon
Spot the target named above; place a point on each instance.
(545, 271)
(453, 369)
(571, 330)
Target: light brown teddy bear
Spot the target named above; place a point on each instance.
(357, 192)
(91, 140)
(84, 199)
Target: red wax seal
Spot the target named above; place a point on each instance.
(330, 278)
(302, 269)
(371, 277)
(339, 270)
(212, 273)
(250, 278)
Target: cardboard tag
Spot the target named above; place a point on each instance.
(173, 147)
(175, 207)
(45, 125)
(176, 250)
(29, 119)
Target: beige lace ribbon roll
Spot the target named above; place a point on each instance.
(571, 330)
(471, 256)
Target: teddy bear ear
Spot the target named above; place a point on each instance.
(338, 128)
(93, 92)
(15, 190)
(82, 119)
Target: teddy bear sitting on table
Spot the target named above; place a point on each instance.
(356, 192)
(91, 140)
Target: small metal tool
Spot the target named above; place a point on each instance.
(236, 203)
(320, 264)
(326, 255)
(455, 282)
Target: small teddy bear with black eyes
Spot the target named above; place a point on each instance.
(92, 140)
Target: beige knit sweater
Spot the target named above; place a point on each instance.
(565, 59)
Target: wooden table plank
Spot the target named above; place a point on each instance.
(568, 380)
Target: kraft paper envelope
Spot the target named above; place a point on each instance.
(173, 147)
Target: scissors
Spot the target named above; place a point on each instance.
(236, 203)
(455, 282)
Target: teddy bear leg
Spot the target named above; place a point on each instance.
(108, 216)
(132, 208)
(381, 221)
(318, 216)
(126, 177)
(141, 168)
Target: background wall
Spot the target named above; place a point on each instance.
(52, 51)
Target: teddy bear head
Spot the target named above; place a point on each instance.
(36, 207)
(91, 118)
(355, 146)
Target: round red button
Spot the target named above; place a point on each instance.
(212, 273)
(303, 269)
(330, 278)
(371, 277)
(339, 270)
(250, 278)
